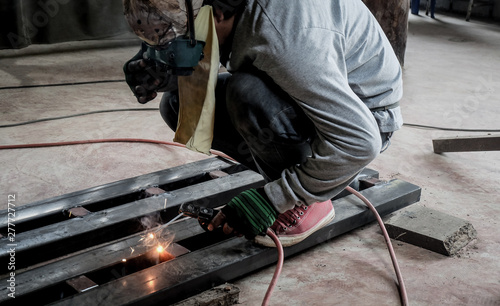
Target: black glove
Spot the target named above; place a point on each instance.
(145, 77)
(250, 213)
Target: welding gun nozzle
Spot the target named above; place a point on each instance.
(203, 213)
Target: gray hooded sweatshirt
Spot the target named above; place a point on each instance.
(334, 60)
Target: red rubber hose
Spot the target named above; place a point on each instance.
(279, 266)
(402, 288)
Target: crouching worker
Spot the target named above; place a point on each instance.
(310, 99)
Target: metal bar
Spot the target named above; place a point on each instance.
(94, 258)
(198, 271)
(95, 262)
(72, 235)
(37, 279)
(466, 144)
(109, 191)
(78, 233)
(357, 183)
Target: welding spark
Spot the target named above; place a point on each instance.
(158, 238)
(162, 227)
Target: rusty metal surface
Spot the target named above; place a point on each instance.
(77, 212)
(81, 283)
(153, 191)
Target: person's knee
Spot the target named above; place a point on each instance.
(169, 108)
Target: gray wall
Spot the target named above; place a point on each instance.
(26, 22)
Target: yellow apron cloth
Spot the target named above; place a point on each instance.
(197, 91)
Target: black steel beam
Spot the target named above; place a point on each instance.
(94, 258)
(28, 283)
(56, 205)
(197, 271)
(467, 144)
(93, 244)
(96, 228)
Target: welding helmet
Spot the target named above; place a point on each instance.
(167, 29)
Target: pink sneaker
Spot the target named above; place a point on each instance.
(298, 223)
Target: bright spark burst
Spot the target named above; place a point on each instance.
(158, 237)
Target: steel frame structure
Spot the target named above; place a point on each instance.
(71, 249)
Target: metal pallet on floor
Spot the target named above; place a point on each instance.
(92, 246)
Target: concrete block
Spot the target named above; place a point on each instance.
(430, 229)
(223, 295)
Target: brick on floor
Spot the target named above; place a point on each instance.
(430, 229)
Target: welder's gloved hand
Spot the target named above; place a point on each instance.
(250, 213)
(145, 78)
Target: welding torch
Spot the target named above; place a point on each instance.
(203, 214)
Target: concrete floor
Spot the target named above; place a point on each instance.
(452, 79)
